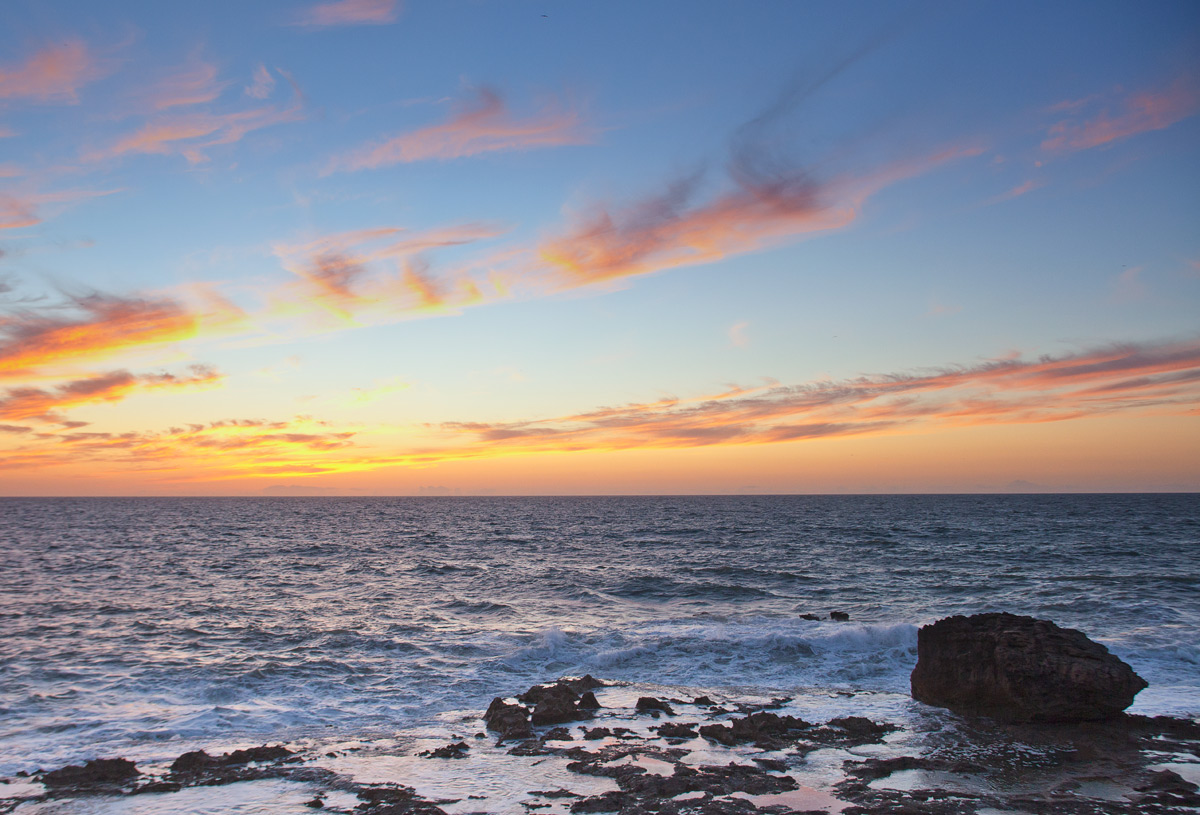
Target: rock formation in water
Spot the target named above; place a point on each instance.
(1019, 669)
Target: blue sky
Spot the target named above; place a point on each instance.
(370, 246)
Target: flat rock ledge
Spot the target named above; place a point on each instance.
(1019, 669)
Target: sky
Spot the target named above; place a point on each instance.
(457, 247)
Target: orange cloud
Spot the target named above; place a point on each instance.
(766, 206)
(1138, 113)
(238, 448)
(483, 127)
(376, 274)
(23, 404)
(350, 12)
(56, 73)
(1162, 377)
(102, 325)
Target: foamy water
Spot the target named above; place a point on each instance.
(148, 627)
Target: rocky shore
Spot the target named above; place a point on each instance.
(1052, 741)
(709, 755)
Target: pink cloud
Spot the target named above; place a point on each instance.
(350, 12)
(1153, 376)
(1136, 113)
(54, 74)
(190, 135)
(486, 126)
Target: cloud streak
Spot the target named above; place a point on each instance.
(1102, 381)
(1136, 113)
(190, 135)
(225, 449)
(483, 126)
(349, 12)
(17, 211)
(45, 404)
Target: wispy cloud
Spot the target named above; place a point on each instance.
(1016, 192)
(349, 12)
(46, 404)
(1123, 117)
(54, 74)
(190, 135)
(737, 334)
(18, 211)
(378, 274)
(194, 85)
(483, 126)
(1128, 286)
(262, 85)
(1144, 377)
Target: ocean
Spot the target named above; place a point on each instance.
(145, 627)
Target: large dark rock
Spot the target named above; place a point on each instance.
(1019, 669)
(96, 773)
(510, 721)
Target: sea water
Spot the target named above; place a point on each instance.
(147, 627)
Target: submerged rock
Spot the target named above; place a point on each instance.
(839, 616)
(1019, 669)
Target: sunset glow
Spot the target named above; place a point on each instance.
(378, 248)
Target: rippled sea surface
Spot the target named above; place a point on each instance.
(130, 623)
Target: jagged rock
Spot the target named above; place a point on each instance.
(556, 704)
(1019, 669)
(764, 729)
(97, 772)
(810, 617)
(649, 703)
(510, 721)
(263, 753)
(671, 730)
(587, 701)
(861, 728)
(585, 683)
(456, 750)
(193, 762)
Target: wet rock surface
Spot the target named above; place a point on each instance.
(1019, 669)
(734, 756)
